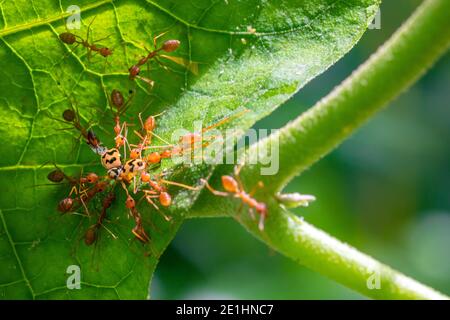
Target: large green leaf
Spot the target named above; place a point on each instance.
(252, 54)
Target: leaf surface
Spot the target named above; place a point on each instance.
(252, 55)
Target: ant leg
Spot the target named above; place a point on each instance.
(237, 170)
(101, 39)
(109, 231)
(89, 28)
(259, 185)
(189, 65)
(214, 191)
(72, 50)
(261, 221)
(225, 120)
(150, 82)
(162, 65)
(149, 200)
(179, 185)
(155, 38)
(127, 103)
(251, 213)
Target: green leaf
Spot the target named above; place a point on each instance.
(252, 55)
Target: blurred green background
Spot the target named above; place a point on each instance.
(386, 191)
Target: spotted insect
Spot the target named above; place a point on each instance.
(111, 159)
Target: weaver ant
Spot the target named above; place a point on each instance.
(138, 230)
(91, 234)
(84, 196)
(234, 188)
(69, 204)
(70, 38)
(70, 116)
(167, 46)
(159, 191)
(188, 142)
(117, 100)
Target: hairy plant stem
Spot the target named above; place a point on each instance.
(392, 69)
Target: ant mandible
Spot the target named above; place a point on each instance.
(234, 188)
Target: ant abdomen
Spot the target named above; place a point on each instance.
(65, 205)
(56, 176)
(69, 115)
(67, 38)
(91, 235)
(170, 45)
(105, 52)
(117, 98)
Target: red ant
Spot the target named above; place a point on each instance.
(159, 191)
(167, 46)
(117, 100)
(148, 126)
(58, 175)
(70, 204)
(188, 142)
(233, 187)
(89, 136)
(91, 234)
(77, 184)
(138, 230)
(70, 38)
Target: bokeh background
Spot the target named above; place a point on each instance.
(386, 191)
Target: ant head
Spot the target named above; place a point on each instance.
(105, 52)
(67, 38)
(69, 115)
(120, 141)
(65, 205)
(170, 45)
(134, 71)
(92, 178)
(130, 203)
(56, 176)
(230, 184)
(135, 154)
(150, 124)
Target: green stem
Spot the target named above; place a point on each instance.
(395, 67)
(391, 70)
(317, 250)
